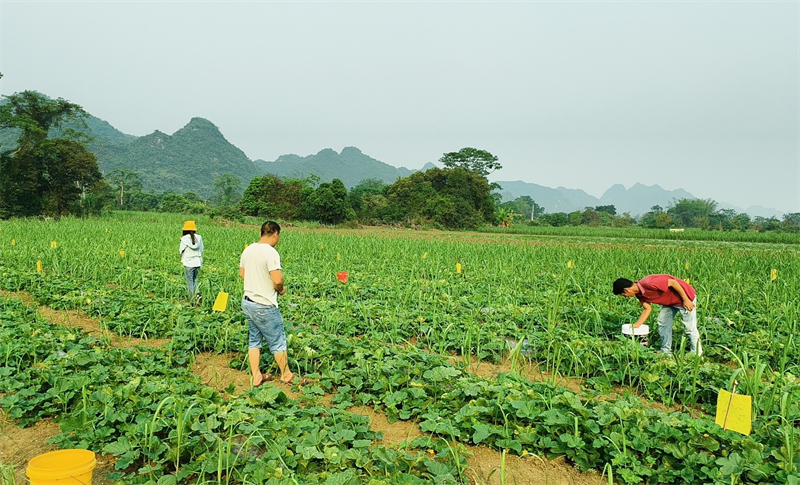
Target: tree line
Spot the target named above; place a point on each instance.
(57, 175)
(458, 196)
(51, 172)
(680, 213)
(455, 197)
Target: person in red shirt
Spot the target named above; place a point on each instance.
(675, 296)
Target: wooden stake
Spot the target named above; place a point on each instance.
(730, 401)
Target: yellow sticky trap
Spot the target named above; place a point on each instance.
(773, 275)
(570, 264)
(221, 303)
(687, 266)
(13, 242)
(688, 281)
(338, 257)
(425, 255)
(38, 266)
(734, 414)
(53, 244)
(122, 254)
(458, 268)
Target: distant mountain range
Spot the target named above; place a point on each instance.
(637, 200)
(190, 159)
(350, 166)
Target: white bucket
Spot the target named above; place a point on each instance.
(640, 333)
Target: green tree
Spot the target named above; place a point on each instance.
(722, 219)
(174, 203)
(72, 173)
(664, 221)
(271, 196)
(791, 222)
(192, 198)
(143, 201)
(227, 188)
(608, 209)
(329, 203)
(556, 219)
(691, 212)
(194, 203)
(367, 199)
(762, 224)
(454, 198)
(44, 175)
(741, 222)
(504, 216)
(656, 219)
(524, 205)
(126, 181)
(590, 217)
(625, 220)
(479, 161)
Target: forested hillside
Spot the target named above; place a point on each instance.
(187, 160)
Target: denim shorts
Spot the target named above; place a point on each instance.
(266, 325)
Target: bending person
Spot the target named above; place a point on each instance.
(675, 296)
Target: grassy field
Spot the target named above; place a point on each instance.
(404, 336)
(656, 234)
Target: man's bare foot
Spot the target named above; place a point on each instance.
(287, 378)
(264, 378)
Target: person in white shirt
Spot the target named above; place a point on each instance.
(260, 268)
(191, 251)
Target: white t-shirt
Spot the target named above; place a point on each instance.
(258, 260)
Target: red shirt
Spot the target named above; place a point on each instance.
(655, 289)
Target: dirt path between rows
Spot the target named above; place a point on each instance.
(19, 445)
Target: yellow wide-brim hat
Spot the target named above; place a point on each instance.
(189, 226)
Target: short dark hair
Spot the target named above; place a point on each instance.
(621, 285)
(269, 228)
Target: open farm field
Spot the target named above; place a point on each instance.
(513, 370)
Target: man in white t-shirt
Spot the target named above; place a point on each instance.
(260, 268)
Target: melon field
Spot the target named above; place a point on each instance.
(492, 352)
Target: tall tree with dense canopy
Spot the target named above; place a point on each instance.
(329, 203)
(44, 175)
(455, 198)
(479, 161)
(271, 196)
(692, 212)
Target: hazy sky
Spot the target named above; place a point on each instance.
(695, 95)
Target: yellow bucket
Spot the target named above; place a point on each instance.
(62, 467)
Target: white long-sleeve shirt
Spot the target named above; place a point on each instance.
(192, 254)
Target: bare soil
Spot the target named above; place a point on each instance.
(526, 368)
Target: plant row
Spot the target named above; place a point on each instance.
(164, 426)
